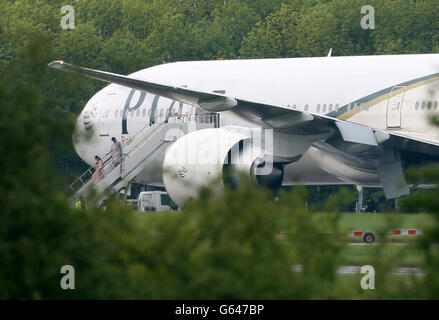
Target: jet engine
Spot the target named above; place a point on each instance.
(213, 158)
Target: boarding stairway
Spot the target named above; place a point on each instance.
(138, 152)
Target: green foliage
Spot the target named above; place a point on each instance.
(311, 28)
(427, 202)
(340, 200)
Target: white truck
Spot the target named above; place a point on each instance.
(155, 201)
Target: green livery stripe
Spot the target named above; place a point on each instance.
(373, 99)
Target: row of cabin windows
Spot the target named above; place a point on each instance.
(327, 108)
(119, 113)
(331, 107)
(319, 108)
(324, 108)
(203, 118)
(359, 107)
(426, 105)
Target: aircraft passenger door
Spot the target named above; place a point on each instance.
(394, 106)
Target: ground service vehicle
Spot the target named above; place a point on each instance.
(155, 201)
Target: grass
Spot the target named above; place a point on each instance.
(378, 221)
(408, 255)
(402, 253)
(371, 222)
(395, 287)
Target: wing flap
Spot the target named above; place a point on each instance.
(355, 133)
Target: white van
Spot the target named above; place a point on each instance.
(155, 201)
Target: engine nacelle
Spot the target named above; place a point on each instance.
(200, 158)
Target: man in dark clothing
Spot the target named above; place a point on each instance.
(371, 205)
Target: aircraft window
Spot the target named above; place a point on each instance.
(349, 107)
(318, 108)
(115, 115)
(336, 107)
(294, 107)
(423, 105)
(417, 105)
(143, 112)
(429, 105)
(138, 113)
(324, 108)
(306, 107)
(330, 107)
(435, 104)
(367, 107)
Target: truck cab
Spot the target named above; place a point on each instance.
(155, 201)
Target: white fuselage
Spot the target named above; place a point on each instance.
(384, 92)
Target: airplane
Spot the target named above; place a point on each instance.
(359, 120)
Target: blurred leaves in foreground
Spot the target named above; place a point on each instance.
(427, 202)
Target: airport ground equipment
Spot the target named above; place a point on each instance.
(155, 201)
(369, 237)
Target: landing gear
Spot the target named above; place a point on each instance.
(369, 237)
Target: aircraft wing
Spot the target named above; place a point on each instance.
(266, 116)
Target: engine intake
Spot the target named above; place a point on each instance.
(215, 157)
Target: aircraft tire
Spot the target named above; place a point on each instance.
(369, 237)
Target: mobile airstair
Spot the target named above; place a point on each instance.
(138, 152)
